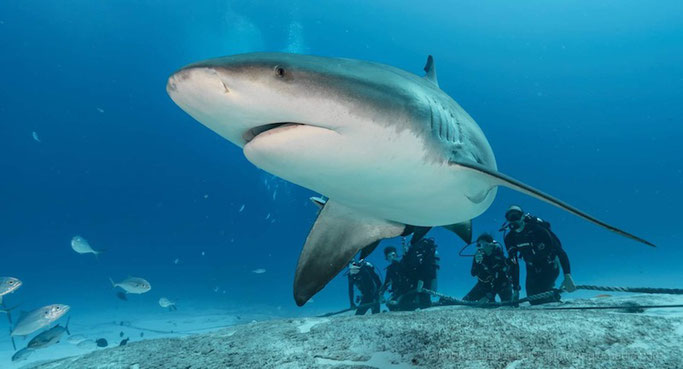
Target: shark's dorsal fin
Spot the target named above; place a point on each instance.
(337, 235)
(499, 179)
(430, 69)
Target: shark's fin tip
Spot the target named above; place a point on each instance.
(430, 70)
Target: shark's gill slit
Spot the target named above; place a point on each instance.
(227, 90)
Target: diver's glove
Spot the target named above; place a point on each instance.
(568, 283)
(381, 298)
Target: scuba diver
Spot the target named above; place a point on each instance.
(393, 280)
(491, 269)
(363, 276)
(420, 264)
(531, 239)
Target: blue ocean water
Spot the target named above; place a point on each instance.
(580, 99)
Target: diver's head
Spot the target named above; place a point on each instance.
(390, 254)
(485, 243)
(515, 217)
(354, 267)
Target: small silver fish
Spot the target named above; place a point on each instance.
(39, 318)
(22, 354)
(8, 285)
(168, 304)
(133, 285)
(258, 271)
(35, 136)
(49, 337)
(81, 246)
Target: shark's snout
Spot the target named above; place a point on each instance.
(224, 100)
(171, 84)
(175, 79)
(194, 78)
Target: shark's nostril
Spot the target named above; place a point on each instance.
(171, 84)
(182, 74)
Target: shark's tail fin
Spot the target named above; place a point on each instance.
(112, 282)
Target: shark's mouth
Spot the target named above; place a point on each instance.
(259, 130)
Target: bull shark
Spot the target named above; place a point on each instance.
(392, 152)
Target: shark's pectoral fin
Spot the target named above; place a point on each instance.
(499, 179)
(337, 235)
(365, 251)
(463, 230)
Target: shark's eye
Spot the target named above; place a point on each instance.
(279, 71)
(11, 282)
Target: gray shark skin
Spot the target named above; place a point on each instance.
(390, 149)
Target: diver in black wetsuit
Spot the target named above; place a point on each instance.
(394, 280)
(362, 275)
(531, 239)
(491, 269)
(419, 266)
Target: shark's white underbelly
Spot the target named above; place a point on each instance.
(385, 173)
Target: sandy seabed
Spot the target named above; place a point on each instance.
(444, 337)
